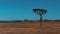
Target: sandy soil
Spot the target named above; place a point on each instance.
(30, 28)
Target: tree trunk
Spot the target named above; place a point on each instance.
(41, 21)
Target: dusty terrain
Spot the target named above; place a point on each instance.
(30, 28)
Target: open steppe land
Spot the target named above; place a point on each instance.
(30, 28)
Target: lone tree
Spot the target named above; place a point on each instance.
(40, 12)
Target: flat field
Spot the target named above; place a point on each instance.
(30, 28)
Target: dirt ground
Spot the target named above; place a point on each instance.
(30, 28)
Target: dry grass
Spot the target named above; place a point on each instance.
(30, 28)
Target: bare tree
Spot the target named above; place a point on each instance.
(40, 12)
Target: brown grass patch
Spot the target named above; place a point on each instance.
(30, 28)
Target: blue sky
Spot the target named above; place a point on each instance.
(22, 9)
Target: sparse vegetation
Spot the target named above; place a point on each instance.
(30, 28)
(40, 12)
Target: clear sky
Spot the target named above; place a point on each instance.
(22, 9)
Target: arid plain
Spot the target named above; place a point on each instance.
(30, 28)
